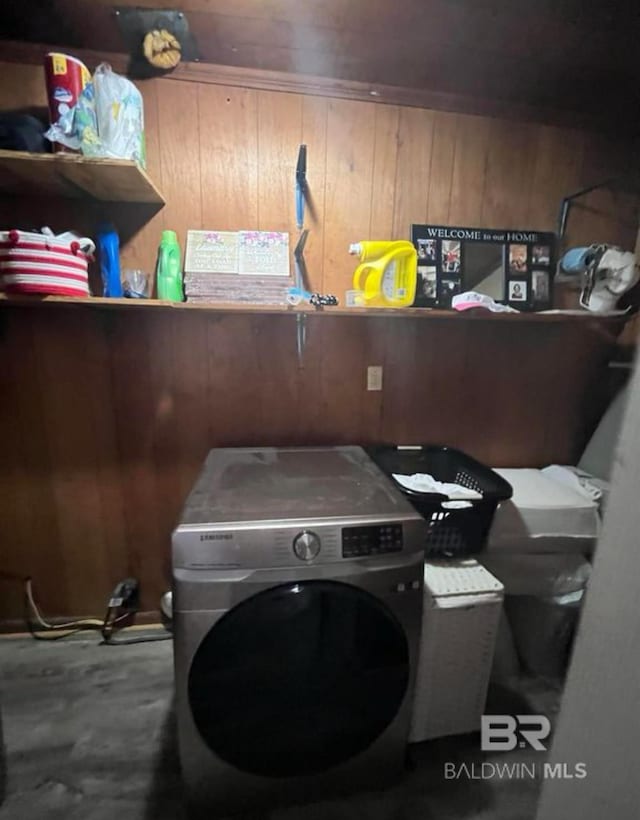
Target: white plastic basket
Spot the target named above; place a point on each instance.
(459, 627)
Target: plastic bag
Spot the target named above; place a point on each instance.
(544, 630)
(120, 116)
(107, 120)
(77, 127)
(542, 603)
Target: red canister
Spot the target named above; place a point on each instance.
(66, 77)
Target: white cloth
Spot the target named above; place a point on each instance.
(426, 483)
(577, 479)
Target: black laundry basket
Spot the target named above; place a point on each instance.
(452, 532)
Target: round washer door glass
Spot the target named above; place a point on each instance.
(299, 678)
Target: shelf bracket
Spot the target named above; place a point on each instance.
(567, 202)
(301, 336)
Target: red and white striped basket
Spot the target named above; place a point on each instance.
(37, 263)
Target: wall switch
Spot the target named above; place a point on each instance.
(374, 378)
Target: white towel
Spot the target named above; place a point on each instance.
(575, 478)
(425, 483)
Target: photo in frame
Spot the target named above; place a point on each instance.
(513, 267)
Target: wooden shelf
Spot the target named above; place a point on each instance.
(76, 177)
(155, 305)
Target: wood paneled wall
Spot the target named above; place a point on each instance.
(106, 416)
(225, 159)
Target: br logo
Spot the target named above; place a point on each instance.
(502, 733)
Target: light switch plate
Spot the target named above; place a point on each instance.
(374, 377)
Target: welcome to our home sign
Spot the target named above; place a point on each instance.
(514, 267)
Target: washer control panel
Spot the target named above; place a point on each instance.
(371, 540)
(306, 545)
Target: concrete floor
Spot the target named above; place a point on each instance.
(89, 735)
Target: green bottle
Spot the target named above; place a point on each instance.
(168, 268)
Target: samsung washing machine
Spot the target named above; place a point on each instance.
(297, 609)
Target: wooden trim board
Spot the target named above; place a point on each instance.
(51, 302)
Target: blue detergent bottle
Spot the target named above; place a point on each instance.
(109, 255)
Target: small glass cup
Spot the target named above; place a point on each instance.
(135, 284)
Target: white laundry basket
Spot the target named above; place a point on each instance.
(459, 627)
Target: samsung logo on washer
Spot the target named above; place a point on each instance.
(481, 235)
(216, 536)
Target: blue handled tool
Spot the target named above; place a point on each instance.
(301, 185)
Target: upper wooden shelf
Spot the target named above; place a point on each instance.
(77, 177)
(124, 305)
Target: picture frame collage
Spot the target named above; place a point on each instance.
(514, 267)
(529, 273)
(440, 265)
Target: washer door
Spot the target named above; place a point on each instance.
(299, 678)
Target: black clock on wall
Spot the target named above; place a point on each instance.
(514, 267)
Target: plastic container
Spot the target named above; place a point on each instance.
(388, 272)
(460, 619)
(370, 249)
(168, 268)
(451, 532)
(109, 254)
(66, 76)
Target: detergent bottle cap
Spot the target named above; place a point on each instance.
(355, 248)
(170, 237)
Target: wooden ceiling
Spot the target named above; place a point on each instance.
(554, 54)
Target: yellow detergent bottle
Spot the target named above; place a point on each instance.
(387, 274)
